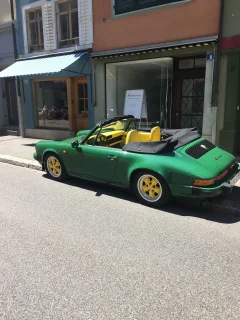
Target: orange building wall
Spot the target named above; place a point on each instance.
(199, 18)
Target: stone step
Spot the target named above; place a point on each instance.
(10, 130)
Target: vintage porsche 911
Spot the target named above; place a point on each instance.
(156, 165)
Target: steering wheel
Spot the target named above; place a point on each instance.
(101, 140)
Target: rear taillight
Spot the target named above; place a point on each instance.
(205, 183)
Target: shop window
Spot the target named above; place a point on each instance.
(67, 21)
(152, 75)
(35, 30)
(51, 103)
(125, 6)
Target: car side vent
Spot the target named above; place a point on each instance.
(200, 149)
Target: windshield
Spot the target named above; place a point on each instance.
(124, 124)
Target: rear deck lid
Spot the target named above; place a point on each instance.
(210, 156)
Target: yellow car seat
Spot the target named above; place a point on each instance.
(155, 134)
(133, 136)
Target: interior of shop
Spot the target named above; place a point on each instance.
(51, 104)
(153, 75)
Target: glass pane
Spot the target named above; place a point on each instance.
(198, 87)
(62, 7)
(73, 4)
(33, 33)
(75, 29)
(200, 63)
(186, 64)
(31, 15)
(52, 104)
(187, 87)
(153, 75)
(64, 27)
(186, 105)
(80, 91)
(39, 14)
(85, 90)
(197, 105)
(81, 103)
(41, 32)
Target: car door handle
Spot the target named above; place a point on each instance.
(112, 157)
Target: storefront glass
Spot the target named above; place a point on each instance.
(152, 75)
(51, 103)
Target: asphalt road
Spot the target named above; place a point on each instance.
(80, 250)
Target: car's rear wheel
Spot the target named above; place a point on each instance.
(151, 189)
(54, 167)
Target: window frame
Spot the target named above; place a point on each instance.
(38, 20)
(68, 13)
(152, 8)
(25, 10)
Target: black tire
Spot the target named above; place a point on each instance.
(151, 189)
(58, 171)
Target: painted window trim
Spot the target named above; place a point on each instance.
(150, 9)
(61, 50)
(34, 5)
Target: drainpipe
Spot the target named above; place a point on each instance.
(216, 74)
(218, 56)
(18, 87)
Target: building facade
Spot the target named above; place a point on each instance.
(165, 47)
(228, 124)
(8, 101)
(54, 68)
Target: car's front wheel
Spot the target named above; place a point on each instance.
(54, 167)
(151, 189)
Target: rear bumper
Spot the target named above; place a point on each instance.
(224, 189)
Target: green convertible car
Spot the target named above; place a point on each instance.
(156, 165)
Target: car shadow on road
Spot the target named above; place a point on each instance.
(180, 207)
(29, 144)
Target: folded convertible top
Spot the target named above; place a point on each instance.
(175, 138)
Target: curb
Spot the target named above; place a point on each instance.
(31, 164)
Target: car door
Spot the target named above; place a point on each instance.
(94, 162)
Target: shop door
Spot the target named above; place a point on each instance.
(80, 104)
(189, 100)
(11, 101)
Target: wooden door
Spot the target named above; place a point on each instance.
(189, 100)
(12, 101)
(80, 112)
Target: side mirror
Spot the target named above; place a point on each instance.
(75, 144)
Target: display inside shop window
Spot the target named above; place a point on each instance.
(52, 104)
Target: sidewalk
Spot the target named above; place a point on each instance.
(19, 151)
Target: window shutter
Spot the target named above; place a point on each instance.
(25, 36)
(85, 22)
(49, 28)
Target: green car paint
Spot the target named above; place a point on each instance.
(117, 167)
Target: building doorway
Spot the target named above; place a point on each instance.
(11, 101)
(189, 93)
(80, 108)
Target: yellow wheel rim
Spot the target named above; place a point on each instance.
(54, 167)
(149, 188)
